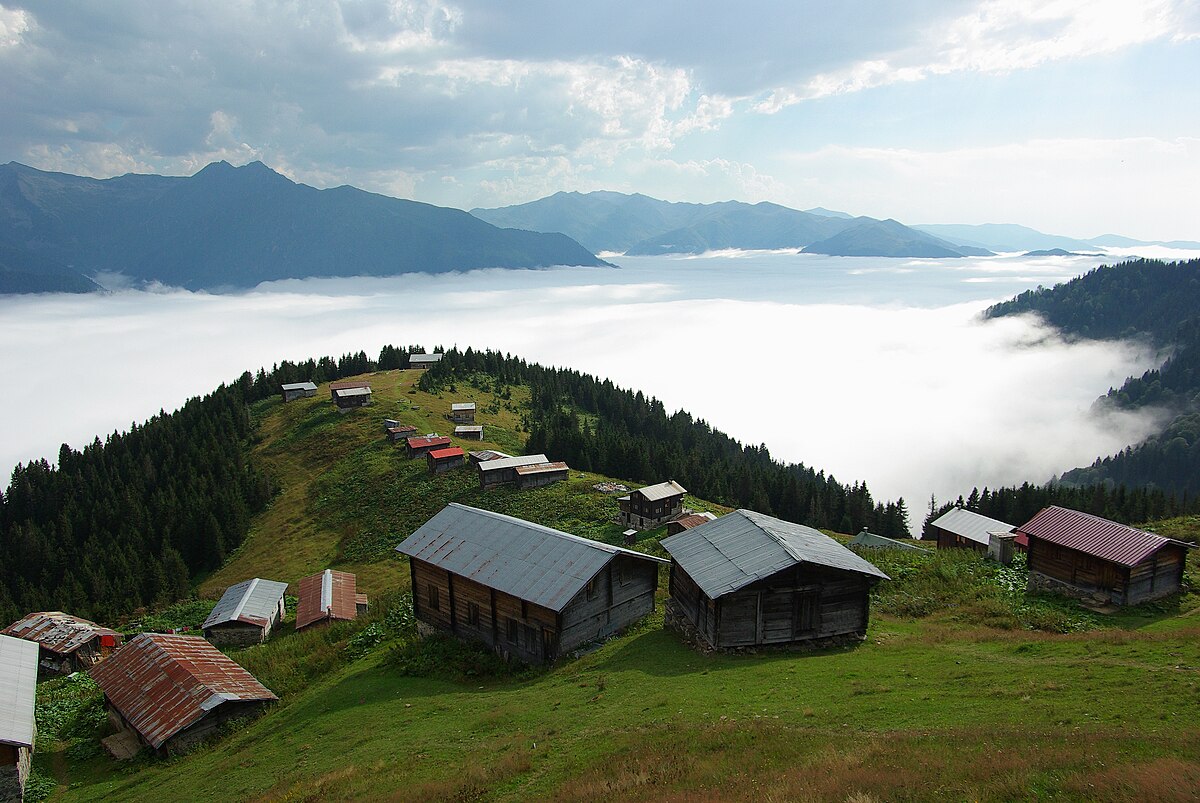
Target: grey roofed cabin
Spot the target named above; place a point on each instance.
(246, 613)
(873, 541)
(423, 360)
(651, 506)
(966, 529)
(297, 390)
(463, 412)
(527, 591)
(748, 579)
(18, 728)
(504, 469)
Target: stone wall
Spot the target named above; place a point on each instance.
(12, 777)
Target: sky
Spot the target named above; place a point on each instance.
(1075, 117)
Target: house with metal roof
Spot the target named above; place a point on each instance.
(1085, 556)
(651, 506)
(484, 455)
(503, 470)
(401, 433)
(869, 540)
(18, 728)
(423, 445)
(297, 390)
(470, 432)
(349, 398)
(541, 474)
(965, 529)
(462, 412)
(441, 460)
(747, 580)
(676, 526)
(172, 691)
(423, 360)
(527, 591)
(246, 613)
(328, 596)
(66, 643)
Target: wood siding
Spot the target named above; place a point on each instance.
(1156, 576)
(948, 540)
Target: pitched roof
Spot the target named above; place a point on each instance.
(462, 407)
(349, 383)
(652, 493)
(254, 601)
(444, 454)
(743, 547)
(164, 683)
(1093, 535)
(18, 686)
(346, 393)
(970, 525)
(423, 442)
(693, 520)
(298, 386)
(542, 468)
(326, 595)
(502, 463)
(538, 564)
(57, 631)
(874, 541)
(424, 357)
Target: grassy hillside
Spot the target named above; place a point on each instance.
(966, 687)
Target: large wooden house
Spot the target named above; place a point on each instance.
(747, 579)
(18, 727)
(529, 592)
(66, 643)
(1088, 557)
(965, 529)
(651, 506)
(246, 613)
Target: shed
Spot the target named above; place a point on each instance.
(346, 384)
(462, 412)
(445, 459)
(66, 643)
(966, 529)
(483, 455)
(503, 470)
(541, 474)
(18, 727)
(423, 360)
(173, 691)
(246, 613)
(1086, 556)
(676, 526)
(470, 432)
(872, 541)
(297, 390)
(419, 447)
(651, 506)
(527, 591)
(349, 398)
(401, 433)
(747, 579)
(327, 596)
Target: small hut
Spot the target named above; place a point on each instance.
(346, 384)
(328, 596)
(297, 390)
(401, 433)
(869, 540)
(246, 613)
(483, 455)
(541, 474)
(470, 432)
(503, 470)
(651, 506)
(965, 529)
(462, 412)
(350, 398)
(423, 360)
(66, 643)
(441, 460)
(419, 447)
(676, 526)
(18, 727)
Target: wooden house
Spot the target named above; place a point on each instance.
(676, 526)
(529, 592)
(959, 528)
(172, 691)
(483, 455)
(66, 643)
(470, 432)
(747, 580)
(1085, 556)
(419, 447)
(503, 470)
(538, 475)
(297, 390)
(462, 412)
(346, 384)
(328, 596)
(869, 540)
(441, 460)
(651, 506)
(389, 423)
(350, 398)
(423, 360)
(401, 433)
(18, 727)
(246, 613)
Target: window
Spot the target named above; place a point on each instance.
(472, 614)
(433, 596)
(512, 631)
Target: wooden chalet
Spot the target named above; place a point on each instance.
(441, 460)
(869, 540)
(246, 613)
(748, 580)
(423, 360)
(401, 433)
(651, 506)
(350, 398)
(959, 528)
(170, 692)
(470, 432)
(462, 412)
(503, 470)
(18, 726)
(297, 390)
(538, 475)
(527, 591)
(346, 384)
(421, 446)
(328, 596)
(66, 643)
(1085, 556)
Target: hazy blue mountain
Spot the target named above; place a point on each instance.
(823, 212)
(1117, 241)
(1002, 237)
(23, 272)
(889, 238)
(1057, 252)
(761, 226)
(238, 226)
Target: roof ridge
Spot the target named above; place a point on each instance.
(589, 542)
(1104, 520)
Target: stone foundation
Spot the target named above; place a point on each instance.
(12, 777)
(1041, 582)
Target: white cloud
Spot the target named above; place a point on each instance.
(14, 23)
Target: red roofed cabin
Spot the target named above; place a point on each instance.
(66, 643)
(328, 596)
(1088, 557)
(419, 447)
(651, 506)
(445, 459)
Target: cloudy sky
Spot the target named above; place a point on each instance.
(1077, 117)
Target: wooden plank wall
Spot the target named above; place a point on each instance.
(622, 593)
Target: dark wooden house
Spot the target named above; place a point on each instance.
(747, 579)
(297, 390)
(328, 596)
(527, 591)
(470, 432)
(350, 398)
(959, 528)
(1088, 557)
(246, 613)
(441, 460)
(503, 470)
(401, 433)
(462, 412)
(651, 506)
(346, 384)
(541, 474)
(173, 691)
(18, 726)
(66, 643)
(419, 447)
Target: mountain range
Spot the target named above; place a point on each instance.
(234, 227)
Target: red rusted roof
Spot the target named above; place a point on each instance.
(441, 454)
(326, 595)
(422, 443)
(164, 683)
(346, 384)
(691, 520)
(1093, 535)
(58, 632)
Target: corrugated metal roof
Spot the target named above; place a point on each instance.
(326, 595)
(463, 428)
(502, 463)
(970, 525)
(298, 386)
(163, 683)
(743, 547)
(254, 601)
(652, 493)
(874, 541)
(346, 393)
(487, 455)
(693, 520)
(18, 687)
(57, 631)
(349, 383)
(1093, 535)
(538, 564)
(421, 443)
(462, 407)
(441, 454)
(423, 358)
(542, 468)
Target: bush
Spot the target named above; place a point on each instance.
(446, 657)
